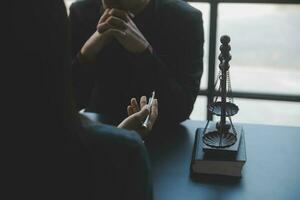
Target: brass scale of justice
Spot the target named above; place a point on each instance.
(222, 137)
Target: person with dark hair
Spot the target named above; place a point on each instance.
(125, 48)
(54, 152)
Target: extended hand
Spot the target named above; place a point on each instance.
(138, 114)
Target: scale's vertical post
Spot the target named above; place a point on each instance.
(224, 66)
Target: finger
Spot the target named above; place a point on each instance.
(117, 23)
(107, 28)
(131, 15)
(104, 16)
(103, 27)
(153, 113)
(134, 105)
(129, 110)
(116, 32)
(143, 101)
(119, 13)
(130, 22)
(142, 114)
(154, 108)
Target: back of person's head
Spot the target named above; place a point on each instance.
(42, 60)
(44, 124)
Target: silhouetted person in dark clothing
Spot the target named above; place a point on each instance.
(125, 48)
(52, 151)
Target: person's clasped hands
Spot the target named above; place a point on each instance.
(120, 25)
(115, 24)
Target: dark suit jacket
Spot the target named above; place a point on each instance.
(175, 31)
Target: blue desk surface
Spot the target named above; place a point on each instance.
(272, 170)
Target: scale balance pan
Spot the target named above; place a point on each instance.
(219, 140)
(230, 108)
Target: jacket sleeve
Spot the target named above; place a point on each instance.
(177, 86)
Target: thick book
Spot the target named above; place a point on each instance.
(217, 164)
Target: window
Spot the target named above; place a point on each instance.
(267, 112)
(199, 111)
(265, 46)
(265, 62)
